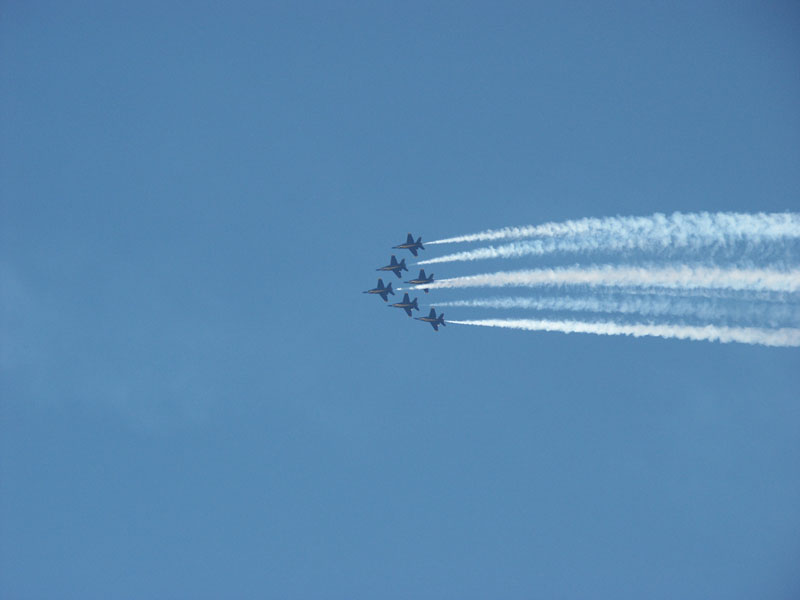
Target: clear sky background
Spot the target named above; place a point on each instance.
(197, 400)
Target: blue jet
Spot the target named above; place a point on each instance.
(411, 244)
(395, 266)
(421, 279)
(406, 305)
(383, 291)
(433, 320)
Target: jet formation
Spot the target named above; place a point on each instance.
(407, 304)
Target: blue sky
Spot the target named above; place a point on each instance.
(198, 402)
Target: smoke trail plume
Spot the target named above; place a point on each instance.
(678, 228)
(746, 335)
(742, 295)
(683, 277)
(602, 243)
(708, 309)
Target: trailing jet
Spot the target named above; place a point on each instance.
(433, 319)
(421, 279)
(383, 291)
(406, 305)
(395, 266)
(411, 244)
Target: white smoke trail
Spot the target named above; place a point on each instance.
(769, 313)
(711, 333)
(679, 228)
(683, 277)
(741, 295)
(594, 243)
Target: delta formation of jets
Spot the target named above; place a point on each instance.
(397, 267)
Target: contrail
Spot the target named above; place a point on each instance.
(679, 277)
(711, 333)
(708, 309)
(678, 228)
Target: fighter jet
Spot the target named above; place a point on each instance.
(411, 244)
(421, 279)
(395, 266)
(383, 291)
(406, 305)
(433, 319)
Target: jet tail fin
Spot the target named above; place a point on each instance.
(389, 288)
(414, 304)
(419, 241)
(403, 265)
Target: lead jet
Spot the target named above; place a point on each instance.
(406, 305)
(421, 279)
(383, 291)
(395, 266)
(433, 319)
(411, 244)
